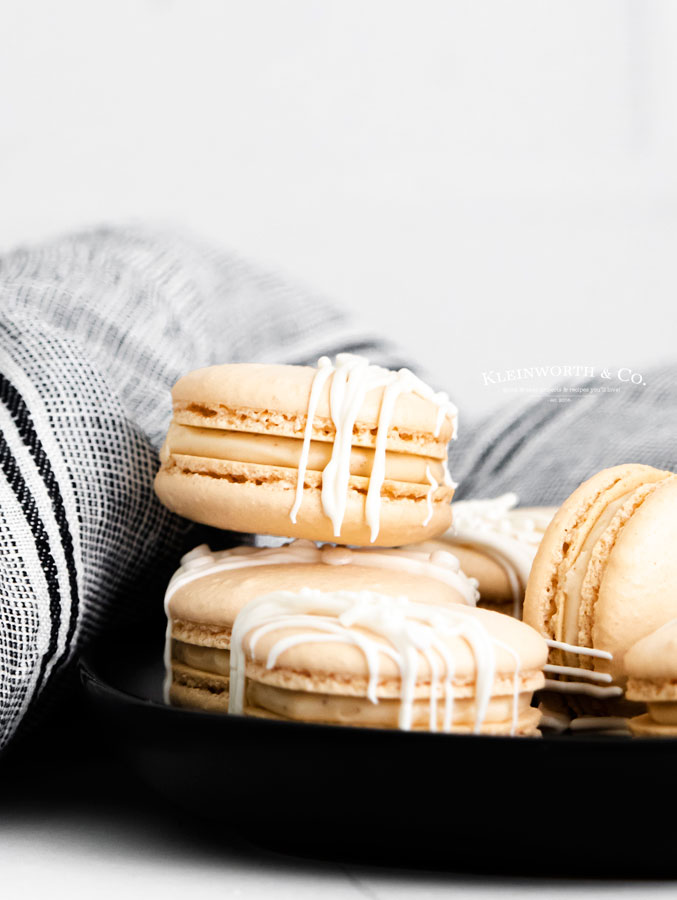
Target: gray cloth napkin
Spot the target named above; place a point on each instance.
(94, 331)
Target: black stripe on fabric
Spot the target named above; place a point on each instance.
(23, 420)
(16, 481)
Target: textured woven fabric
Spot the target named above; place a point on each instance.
(95, 329)
(544, 450)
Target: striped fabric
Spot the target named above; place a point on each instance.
(94, 330)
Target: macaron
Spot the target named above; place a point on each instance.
(605, 574)
(209, 589)
(346, 452)
(496, 542)
(361, 658)
(651, 667)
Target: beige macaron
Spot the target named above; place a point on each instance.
(651, 667)
(208, 591)
(605, 574)
(364, 659)
(496, 542)
(345, 452)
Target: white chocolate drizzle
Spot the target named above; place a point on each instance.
(577, 672)
(581, 651)
(504, 533)
(410, 629)
(429, 496)
(581, 687)
(324, 370)
(351, 379)
(448, 480)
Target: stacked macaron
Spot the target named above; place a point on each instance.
(349, 453)
(605, 575)
(346, 453)
(210, 589)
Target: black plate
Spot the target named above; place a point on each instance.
(557, 805)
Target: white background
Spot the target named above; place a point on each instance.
(492, 182)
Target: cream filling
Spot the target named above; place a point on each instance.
(307, 707)
(271, 450)
(206, 659)
(663, 713)
(575, 575)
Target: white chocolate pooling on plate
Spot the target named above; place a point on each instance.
(411, 630)
(508, 535)
(351, 379)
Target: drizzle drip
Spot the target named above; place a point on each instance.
(581, 687)
(429, 496)
(411, 630)
(351, 379)
(582, 651)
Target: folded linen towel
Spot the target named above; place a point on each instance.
(94, 330)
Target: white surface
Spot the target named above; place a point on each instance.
(492, 182)
(67, 858)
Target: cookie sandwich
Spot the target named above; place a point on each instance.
(361, 658)
(604, 575)
(209, 590)
(346, 452)
(651, 667)
(495, 542)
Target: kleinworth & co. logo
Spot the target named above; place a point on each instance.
(591, 380)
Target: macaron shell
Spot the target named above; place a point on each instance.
(216, 599)
(655, 656)
(644, 726)
(305, 706)
(652, 689)
(638, 592)
(527, 724)
(281, 394)
(203, 698)
(341, 672)
(195, 697)
(258, 500)
(330, 660)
